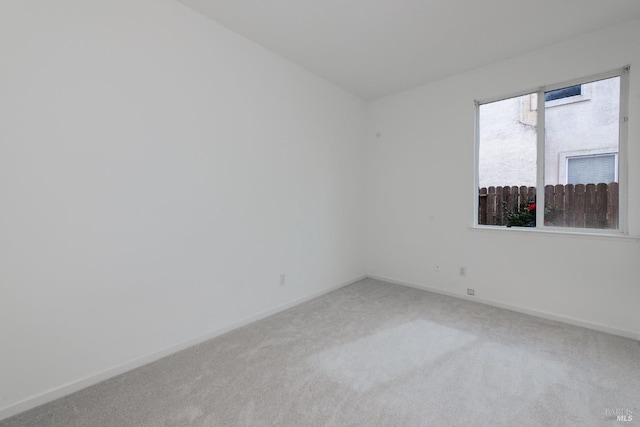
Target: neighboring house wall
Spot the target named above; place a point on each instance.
(585, 127)
(507, 154)
(586, 124)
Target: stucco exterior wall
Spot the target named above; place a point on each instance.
(580, 125)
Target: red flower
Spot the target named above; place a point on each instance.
(531, 207)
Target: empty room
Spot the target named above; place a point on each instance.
(329, 213)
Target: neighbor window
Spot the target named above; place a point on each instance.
(565, 92)
(589, 169)
(546, 163)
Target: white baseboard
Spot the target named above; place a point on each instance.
(72, 387)
(537, 313)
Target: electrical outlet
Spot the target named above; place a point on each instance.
(471, 292)
(283, 279)
(436, 269)
(462, 271)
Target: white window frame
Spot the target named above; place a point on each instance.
(622, 170)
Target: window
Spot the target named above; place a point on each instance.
(591, 169)
(565, 92)
(549, 162)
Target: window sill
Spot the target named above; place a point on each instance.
(557, 232)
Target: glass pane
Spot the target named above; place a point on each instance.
(581, 149)
(507, 162)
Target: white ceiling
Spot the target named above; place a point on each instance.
(374, 48)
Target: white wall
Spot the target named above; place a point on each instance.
(417, 219)
(157, 174)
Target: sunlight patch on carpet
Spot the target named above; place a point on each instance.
(397, 352)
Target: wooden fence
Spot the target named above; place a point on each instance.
(580, 205)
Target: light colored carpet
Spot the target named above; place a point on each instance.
(373, 354)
